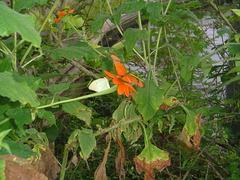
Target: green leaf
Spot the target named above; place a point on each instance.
(187, 65)
(4, 145)
(21, 116)
(127, 7)
(2, 169)
(23, 4)
(47, 115)
(18, 149)
(236, 11)
(5, 64)
(97, 24)
(79, 110)
(154, 10)
(87, 142)
(17, 90)
(149, 99)
(58, 88)
(73, 21)
(131, 36)
(83, 50)
(12, 21)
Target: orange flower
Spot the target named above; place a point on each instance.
(61, 14)
(122, 79)
(57, 20)
(71, 11)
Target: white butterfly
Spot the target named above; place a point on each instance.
(99, 85)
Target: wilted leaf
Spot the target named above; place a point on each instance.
(100, 173)
(17, 90)
(126, 111)
(148, 99)
(131, 36)
(79, 110)
(151, 158)
(87, 142)
(12, 21)
(120, 159)
(191, 135)
(168, 103)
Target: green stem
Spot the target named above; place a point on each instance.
(14, 62)
(108, 91)
(121, 123)
(40, 30)
(146, 141)
(64, 162)
(143, 42)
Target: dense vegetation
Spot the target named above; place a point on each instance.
(120, 89)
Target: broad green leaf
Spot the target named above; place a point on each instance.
(48, 116)
(23, 4)
(97, 23)
(82, 50)
(17, 90)
(234, 48)
(79, 110)
(58, 88)
(131, 36)
(21, 116)
(12, 21)
(2, 169)
(149, 99)
(187, 65)
(5, 64)
(236, 11)
(154, 10)
(18, 149)
(129, 6)
(87, 142)
(73, 21)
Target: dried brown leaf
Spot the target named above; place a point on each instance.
(100, 173)
(120, 160)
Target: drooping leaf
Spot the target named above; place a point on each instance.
(82, 50)
(58, 88)
(100, 173)
(23, 4)
(131, 36)
(126, 111)
(47, 115)
(149, 99)
(2, 169)
(12, 21)
(191, 135)
(17, 90)
(87, 142)
(21, 116)
(79, 110)
(120, 159)
(151, 158)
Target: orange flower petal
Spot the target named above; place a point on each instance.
(71, 11)
(121, 89)
(110, 75)
(130, 79)
(116, 81)
(121, 70)
(61, 14)
(57, 20)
